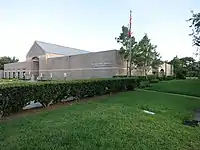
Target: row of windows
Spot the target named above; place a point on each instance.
(14, 74)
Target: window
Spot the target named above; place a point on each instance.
(18, 75)
(5, 75)
(13, 74)
(23, 74)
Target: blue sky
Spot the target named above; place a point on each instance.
(93, 25)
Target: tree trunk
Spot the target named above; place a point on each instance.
(145, 71)
(127, 68)
(165, 69)
(130, 66)
(145, 67)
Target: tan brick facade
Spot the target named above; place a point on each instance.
(102, 64)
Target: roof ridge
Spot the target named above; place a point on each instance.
(60, 45)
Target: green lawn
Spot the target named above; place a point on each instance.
(186, 87)
(10, 81)
(115, 122)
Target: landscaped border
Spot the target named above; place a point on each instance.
(13, 97)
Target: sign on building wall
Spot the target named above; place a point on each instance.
(101, 64)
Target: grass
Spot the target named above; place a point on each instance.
(10, 81)
(186, 87)
(115, 122)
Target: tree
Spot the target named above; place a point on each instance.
(187, 61)
(195, 25)
(142, 55)
(178, 66)
(146, 56)
(195, 69)
(186, 66)
(6, 60)
(127, 47)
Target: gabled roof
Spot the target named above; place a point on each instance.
(58, 49)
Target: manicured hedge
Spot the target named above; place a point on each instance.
(166, 78)
(180, 75)
(149, 77)
(154, 81)
(169, 78)
(144, 84)
(121, 76)
(13, 97)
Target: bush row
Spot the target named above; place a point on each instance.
(13, 97)
(149, 78)
(143, 82)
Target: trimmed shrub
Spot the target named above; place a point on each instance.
(142, 78)
(151, 77)
(180, 75)
(144, 84)
(13, 97)
(169, 78)
(121, 76)
(154, 81)
(160, 78)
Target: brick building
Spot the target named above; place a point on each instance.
(50, 61)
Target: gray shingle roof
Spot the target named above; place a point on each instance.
(58, 49)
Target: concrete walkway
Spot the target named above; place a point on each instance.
(169, 93)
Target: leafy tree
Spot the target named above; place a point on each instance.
(187, 61)
(186, 66)
(195, 69)
(6, 60)
(195, 25)
(178, 65)
(146, 56)
(127, 47)
(140, 55)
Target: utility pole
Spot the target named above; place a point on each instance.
(198, 51)
(130, 42)
(197, 54)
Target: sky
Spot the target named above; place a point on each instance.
(93, 25)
